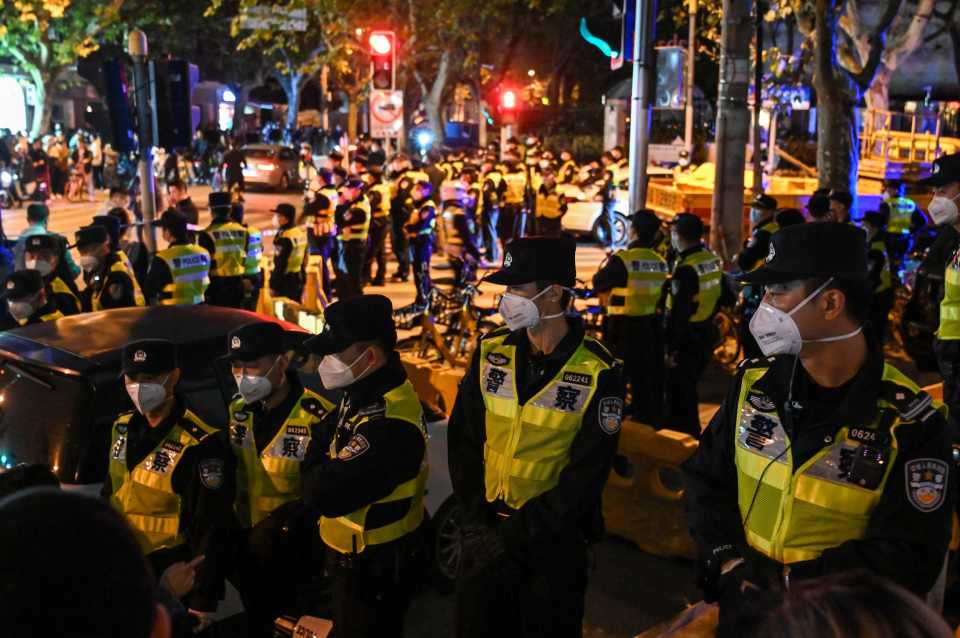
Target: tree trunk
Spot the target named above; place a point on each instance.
(353, 112)
(432, 101)
(43, 103)
(242, 92)
(292, 86)
(901, 46)
(838, 152)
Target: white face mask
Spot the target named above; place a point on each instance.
(520, 312)
(943, 210)
(21, 310)
(276, 221)
(147, 397)
(336, 374)
(777, 333)
(42, 265)
(755, 215)
(675, 241)
(88, 262)
(254, 387)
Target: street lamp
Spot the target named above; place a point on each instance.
(138, 49)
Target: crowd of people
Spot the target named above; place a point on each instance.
(823, 459)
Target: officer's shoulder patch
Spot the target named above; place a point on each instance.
(193, 429)
(496, 332)
(374, 410)
(600, 350)
(926, 483)
(211, 473)
(498, 358)
(909, 404)
(610, 414)
(314, 407)
(761, 402)
(357, 445)
(241, 416)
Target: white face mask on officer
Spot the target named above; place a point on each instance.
(756, 214)
(42, 265)
(23, 308)
(521, 312)
(336, 374)
(254, 387)
(89, 262)
(776, 331)
(675, 241)
(943, 210)
(147, 397)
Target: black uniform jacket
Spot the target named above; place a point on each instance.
(205, 480)
(574, 504)
(901, 542)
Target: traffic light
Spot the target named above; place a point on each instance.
(383, 56)
(176, 121)
(508, 106)
(509, 100)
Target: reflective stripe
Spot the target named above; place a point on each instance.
(254, 252)
(348, 534)
(646, 274)
(230, 248)
(298, 253)
(189, 266)
(145, 495)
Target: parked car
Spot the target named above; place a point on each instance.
(583, 214)
(271, 165)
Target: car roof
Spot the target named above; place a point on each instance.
(264, 147)
(79, 343)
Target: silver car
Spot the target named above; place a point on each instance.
(271, 165)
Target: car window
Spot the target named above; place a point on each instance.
(257, 152)
(287, 154)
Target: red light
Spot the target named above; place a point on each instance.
(380, 43)
(509, 100)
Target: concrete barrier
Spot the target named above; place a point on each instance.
(436, 383)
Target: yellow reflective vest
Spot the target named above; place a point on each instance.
(298, 252)
(528, 446)
(324, 224)
(709, 278)
(549, 206)
(59, 287)
(901, 213)
(230, 248)
(356, 230)
(350, 534)
(885, 277)
(189, 266)
(516, 187)
(267, 480)
(383, 210)
(793, 514)
(950, 306)
(120, 264)
(144, 495)
(251, 264)
(646, 274)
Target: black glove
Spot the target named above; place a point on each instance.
(481, 550)
(708, 578)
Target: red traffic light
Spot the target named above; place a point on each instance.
(381, 42)
(508, 99)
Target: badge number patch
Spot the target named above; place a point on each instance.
(926, 483)
(611, 414)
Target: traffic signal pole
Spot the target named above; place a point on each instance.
(137, 47)
(643, 36)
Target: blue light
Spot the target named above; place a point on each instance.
(595, 41)
(424, 139)
(3, 459)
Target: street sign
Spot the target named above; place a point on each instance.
(273, 18)
(386, 113)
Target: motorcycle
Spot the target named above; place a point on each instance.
(8, 190)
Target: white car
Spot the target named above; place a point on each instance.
(584, 210)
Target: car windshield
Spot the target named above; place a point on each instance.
(258, 152)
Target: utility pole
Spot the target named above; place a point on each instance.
(733, 123)
(137, 47)
(691, 56)
(645, 18)
(758, 101)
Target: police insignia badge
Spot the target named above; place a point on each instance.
(357, 446)
(926, 483)
(761, 402)
(508, 260)
(771, 254)
(139, 356)
(498, 359)
(611, 414)
(235, 343)
(240, 416)
(211, 473)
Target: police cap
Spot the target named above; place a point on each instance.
(37, 243)
(826, 249)
(765, 202)
(688, 226)
(946, 169)
(350, 321)
(148, 356)
(532, 259)
(21, 284)
(256, 340)
(645, 223)
(285, 210)
(218, 199)
(89, 235)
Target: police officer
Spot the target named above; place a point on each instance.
(493, 188)
(634, 279)
(44, 253)
(289, 254)
(880, 277)
(226, 242)
(513, 210)
(110, 283)
(823, 458)
(368, 486)
(902, 208)
(459, 220)
(945, 181)
(419, 229)
(550, 207)
(252, 272)
(27, 301)
(401, 207)
(840, 203)
(353, 215)
(531, 441)
(608, 193)
(274, 421)
(763, 213)
(179, 274)
(318, 215)
(378, 193)
(696, 284)
(171, 477)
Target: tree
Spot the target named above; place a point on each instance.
(45, 37)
